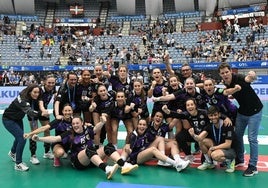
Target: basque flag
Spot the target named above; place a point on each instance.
(76, 10)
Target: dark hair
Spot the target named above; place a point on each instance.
(143, 93)
(49, 76)
(186, 65)
(224, 65)
(25, 93)
(79, 117)
(85, 70)
(71, 73)
(213, 109)
(191, 99)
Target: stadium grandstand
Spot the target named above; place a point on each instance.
(47, 35)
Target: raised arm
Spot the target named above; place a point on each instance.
(168, 97)
(231, 91)
(99, 125)
(251, 76)
(167, 61)
(47, 139)
(37, 131)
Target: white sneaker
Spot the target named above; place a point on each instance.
(189, 157)
(161, 163)
(181, 165)
(12, 156)
(48, 155)
(110, 171)
(128, 167)
(34, 160)
(21, 167)
(206, 165)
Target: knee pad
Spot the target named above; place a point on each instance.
(109, 149)
(90, 151)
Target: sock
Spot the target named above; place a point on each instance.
(47, 147)
(120, 162)
(208, 159)
(170, 161)
(103, 166)
(177, 157)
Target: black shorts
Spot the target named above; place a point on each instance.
(229, 153)
(77, 165)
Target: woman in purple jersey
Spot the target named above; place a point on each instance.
(60, 126)
(141, 149)
(83, 153)
(121, 111)
(157, 88)
(217, 96)
(84, 90)
(174, 86)
(139, 97)
(48, 92)
(120, 82)
(190, 91)
(102, 104)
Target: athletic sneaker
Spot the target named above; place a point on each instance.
(181, 165)
(189, 157)
(161, 163)
(111, 170)
(206, 165)
(230, 166)
(34, 160)
(250, 171)
(239, 163)
(21, 167)
(48, 155)
(127, 168)
(56, 162)
(12, 156)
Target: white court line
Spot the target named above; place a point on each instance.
(263, 139)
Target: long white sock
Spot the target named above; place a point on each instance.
(171, 161)
(177, 157)
(208, 159)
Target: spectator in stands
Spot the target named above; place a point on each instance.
(249, 113)
(42, 52)
(49, 53)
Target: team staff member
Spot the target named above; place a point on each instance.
(249, 113)
(216, 142)
(67, 93)
(13, 121)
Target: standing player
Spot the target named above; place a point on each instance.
(48, 92)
